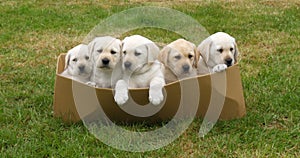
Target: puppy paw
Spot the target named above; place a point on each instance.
(90, 83)
(156, 97)
(220, 68)
(121, 92)
(121, 98)
(155, 91)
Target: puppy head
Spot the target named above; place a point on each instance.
(135, 58)
(219, 48)
(105, 52)
(179, 56)
(78, 61)
(138, 52)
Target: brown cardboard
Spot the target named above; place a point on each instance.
(65, 108)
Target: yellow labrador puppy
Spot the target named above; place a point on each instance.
(179, 58)
(106, 55)
(140, 69)
(78, 65)
(217, 52)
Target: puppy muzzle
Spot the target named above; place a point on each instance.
(105, 61)
(228, 62)
(81, 68)
(127, 64)
(186, 68)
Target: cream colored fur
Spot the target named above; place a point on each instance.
(216, 53)
(78, 65)
(140, 69)
(179, 58)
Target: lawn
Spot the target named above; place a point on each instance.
(34, 33)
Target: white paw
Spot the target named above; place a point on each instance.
(121, 98)
(121, 92)
(90, 83)
(220, 68)
(155, 91)
(156, 97)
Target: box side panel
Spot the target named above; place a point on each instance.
(63, 104)
(234, 106)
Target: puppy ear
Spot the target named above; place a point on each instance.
(204, 49)
(120, 48)
(152, 52)
(120, 45)
(196, 56)
(91, 47)
(236, 52)
(67, 59)
(164, 55)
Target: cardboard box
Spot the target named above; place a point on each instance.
(233, 107)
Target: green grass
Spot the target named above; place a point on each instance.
(33, 34)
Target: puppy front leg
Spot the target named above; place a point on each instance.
(121, 92)
(219, 68)
(155, 90)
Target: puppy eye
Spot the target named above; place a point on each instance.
(231, 49)
(113, 52)
(220, 50)
(87, 57)
(100, 50)
(124, 52)
(75, 60)
(190, 56)
(137, 53)
(178, 57)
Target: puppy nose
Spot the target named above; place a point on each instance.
(81, 67)
(185, 67)
(105, 61)
(228, 61)
(127, 64)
